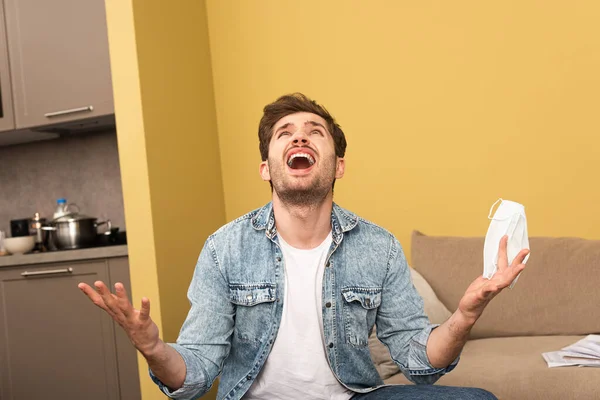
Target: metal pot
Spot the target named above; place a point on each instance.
(74, 231)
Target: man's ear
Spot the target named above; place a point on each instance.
(340, 167)
(263, 169)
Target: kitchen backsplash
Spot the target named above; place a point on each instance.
(84, 169)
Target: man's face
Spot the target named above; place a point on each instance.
(302, 164)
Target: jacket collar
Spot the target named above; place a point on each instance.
(341, 221)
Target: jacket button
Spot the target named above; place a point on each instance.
(248, 377)
(328, 264)
(278, 259)
(328, 305)
(330, 345)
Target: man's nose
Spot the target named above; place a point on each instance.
(300, 138)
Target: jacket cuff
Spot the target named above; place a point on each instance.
(194, 383)
(420, 369)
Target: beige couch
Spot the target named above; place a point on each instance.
(555, 303)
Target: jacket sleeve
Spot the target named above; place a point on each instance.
(205, 337)
(402, 324)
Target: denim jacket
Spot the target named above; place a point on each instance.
(236, 305)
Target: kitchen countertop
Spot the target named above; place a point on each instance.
(63, 255)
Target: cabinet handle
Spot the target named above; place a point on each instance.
(71, 111)
(49, 272)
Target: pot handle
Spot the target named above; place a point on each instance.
(108, 224)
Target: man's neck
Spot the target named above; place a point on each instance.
(303, 227)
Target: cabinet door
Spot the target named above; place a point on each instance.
(55, 344)
(6, 112)
(129, 381)
(59, 60)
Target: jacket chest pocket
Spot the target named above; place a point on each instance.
(360, 308)
(253, 310)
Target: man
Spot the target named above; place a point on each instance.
(283, 299)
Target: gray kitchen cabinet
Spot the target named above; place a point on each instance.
(7, 121)
(54, 343)
(59, 62)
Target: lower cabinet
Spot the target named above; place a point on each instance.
(54, 343)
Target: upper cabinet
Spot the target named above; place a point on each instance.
(59, 61)
(7, 121)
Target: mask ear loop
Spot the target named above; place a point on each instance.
(492, 207)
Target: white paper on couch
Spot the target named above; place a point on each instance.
(509, 219)
(584, 353)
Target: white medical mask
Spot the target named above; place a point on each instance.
(509, 219)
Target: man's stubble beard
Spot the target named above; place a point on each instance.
(309, 196)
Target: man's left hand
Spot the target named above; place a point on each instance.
(482, 290)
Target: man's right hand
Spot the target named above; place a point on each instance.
(137, 324)
(164, 361)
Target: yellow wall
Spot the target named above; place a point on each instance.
(181, 141)
(168, 148)
(446, 105)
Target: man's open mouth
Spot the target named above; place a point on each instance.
(300, 161)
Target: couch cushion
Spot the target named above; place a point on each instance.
(435, 310)
(513, 368)
(557, 294)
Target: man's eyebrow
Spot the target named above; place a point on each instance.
(315, 123)
(284, 126)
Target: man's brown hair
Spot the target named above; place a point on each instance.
(290, 104)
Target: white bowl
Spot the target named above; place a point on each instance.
(19, 245)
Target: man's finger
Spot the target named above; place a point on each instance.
(502, 257)
(516, 269)
(145, 310)
(92, 295)
(520, 257)
(108, 298)
(123, 301)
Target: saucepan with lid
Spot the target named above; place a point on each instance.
(74, 230)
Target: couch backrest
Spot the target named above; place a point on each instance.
(558, 293)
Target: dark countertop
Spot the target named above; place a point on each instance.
(64, 255)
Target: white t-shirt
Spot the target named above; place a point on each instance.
(297, 366)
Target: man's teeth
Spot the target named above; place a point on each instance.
(311, 160)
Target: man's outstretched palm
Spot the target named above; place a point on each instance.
(137, 324)
(482, 290)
